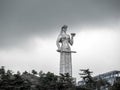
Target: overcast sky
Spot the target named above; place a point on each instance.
(29, 29)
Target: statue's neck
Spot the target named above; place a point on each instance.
(63, 33)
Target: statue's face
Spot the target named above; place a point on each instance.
(64, 29)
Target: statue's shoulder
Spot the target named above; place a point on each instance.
(68, 36)
(59, 36)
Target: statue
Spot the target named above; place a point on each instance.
(63, 43)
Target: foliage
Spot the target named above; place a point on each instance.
(90, 82)
(47, 81)
(66, 82)
(31, 81)
(116, 85)
(34, 72)
(10, 81)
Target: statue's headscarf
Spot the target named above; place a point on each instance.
(64, 26)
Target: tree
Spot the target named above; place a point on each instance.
(34, 72)
(25, 72)
(66, 82)
(48, 81)
(116, 85)
(2, 70)
(10, 81)
(88, 79)
(40, 73)
(92, 83)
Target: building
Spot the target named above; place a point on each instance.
(108, 78)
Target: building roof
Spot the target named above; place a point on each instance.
(108, 73)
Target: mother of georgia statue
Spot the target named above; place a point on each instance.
(63, 43)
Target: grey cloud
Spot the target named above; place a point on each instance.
(19, 19)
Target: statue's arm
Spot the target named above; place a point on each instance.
(71, 41)
(58, 42)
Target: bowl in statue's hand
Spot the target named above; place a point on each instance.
(73, 34)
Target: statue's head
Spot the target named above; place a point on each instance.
(64, 27)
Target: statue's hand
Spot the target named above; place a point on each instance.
(59, 50)
(73, 34)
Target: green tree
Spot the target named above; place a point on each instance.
(48, 81)
(2, 70)
(66, 82)
(10, 81)
(25, 72)
(116, 85)
(34, 72)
